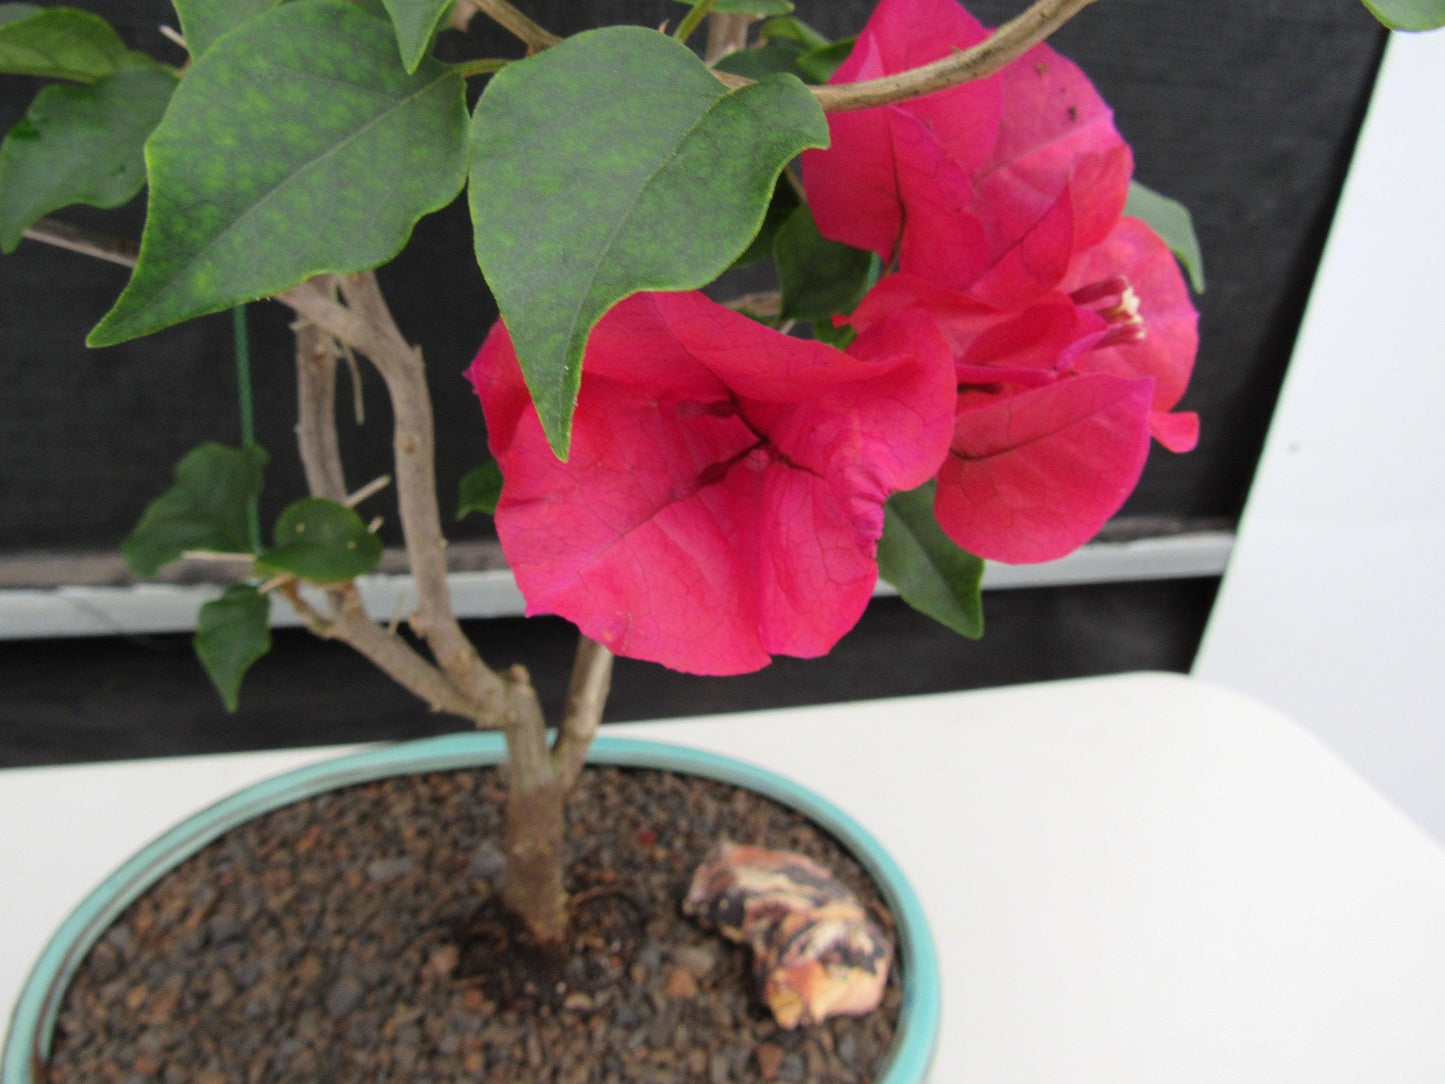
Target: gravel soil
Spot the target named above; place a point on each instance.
(356, 936)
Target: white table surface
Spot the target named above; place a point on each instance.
(1136, 879)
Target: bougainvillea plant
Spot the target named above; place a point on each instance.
(980, 324)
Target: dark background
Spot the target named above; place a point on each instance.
(1246, 112)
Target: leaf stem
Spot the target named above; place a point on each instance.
(692, 19)
(485, 66)
(535, 37)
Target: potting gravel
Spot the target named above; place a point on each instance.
(357, 936)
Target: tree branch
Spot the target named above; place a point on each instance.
(316, 422)
(586, 696)
(998, 50)
(414, 448)
(385, 650)
(535, 37)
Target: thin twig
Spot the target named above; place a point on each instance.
(586, 696)
(216, 555)
(1000, 49)
(1005, 45)
(102, 246)
(500, 11)
(376, 485)
(762, 303)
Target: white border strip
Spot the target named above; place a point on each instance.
(156, 608)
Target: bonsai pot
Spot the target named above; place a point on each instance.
(32, 1027)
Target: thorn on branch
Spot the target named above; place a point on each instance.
(372, 487)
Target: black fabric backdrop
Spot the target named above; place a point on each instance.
(1246, 112)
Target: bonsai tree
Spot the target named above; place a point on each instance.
(979, 327)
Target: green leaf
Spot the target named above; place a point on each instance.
(80, 144)
(61, 43)
(232, 633)
(1171, 220)
(795, 30)
(206, 509)
(417, 22)
(818, 65)
(203, 21)
(296, 146)
(1409, 14)
(322, 541)
(761, 61)
(931, 573)
(783, 203)
(819, 277)
(748, 7)
(612, 163)
(481, 489)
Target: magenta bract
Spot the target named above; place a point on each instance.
(1071, 327)
(723, 497)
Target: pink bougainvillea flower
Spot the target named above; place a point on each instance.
(723, 496)
(991, 184)
(1057, 399)
(896, 179)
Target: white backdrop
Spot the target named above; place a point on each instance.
(1331, 609)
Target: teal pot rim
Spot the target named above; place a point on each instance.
(32, 1022)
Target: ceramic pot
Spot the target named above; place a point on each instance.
(33, 1021)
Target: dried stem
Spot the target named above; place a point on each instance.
(762, 303)
(726, 33)
(591, 681)
(499, 11)
(87, 242)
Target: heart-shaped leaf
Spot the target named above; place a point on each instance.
(932, 574)
(819, 277)
(322, 541)
(61, 43)
(480, 490)
(203, 21)
(232, 633)
(1409, 14)
(612, 163)
(1171, 220)
(80, 144)
(296, 146)
(206, 509)
(416, 23)
(761, 61)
